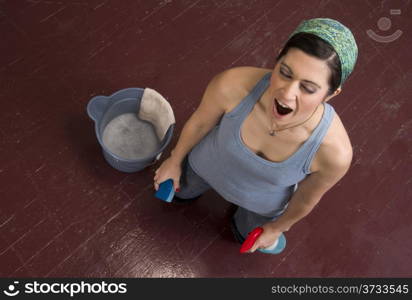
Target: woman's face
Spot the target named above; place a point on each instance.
(299, 83)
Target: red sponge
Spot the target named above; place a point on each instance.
(251, 239)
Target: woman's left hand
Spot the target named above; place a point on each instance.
(268, 237)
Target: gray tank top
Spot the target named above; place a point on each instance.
(242, 177)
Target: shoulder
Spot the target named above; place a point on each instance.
(335, 153)
(236, 83)
(333, 160)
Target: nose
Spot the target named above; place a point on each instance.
(289, 92)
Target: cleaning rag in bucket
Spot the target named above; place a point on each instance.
(138, 135)
(155, 109)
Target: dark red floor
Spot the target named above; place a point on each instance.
(65, 212)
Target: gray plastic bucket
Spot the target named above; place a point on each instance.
(103, 109)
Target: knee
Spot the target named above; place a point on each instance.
(183, 195)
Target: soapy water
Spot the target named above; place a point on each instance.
(129, 137)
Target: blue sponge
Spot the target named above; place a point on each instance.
(166, 191)
(281, 244)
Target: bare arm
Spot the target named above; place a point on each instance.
(310, 190)
(214, 104)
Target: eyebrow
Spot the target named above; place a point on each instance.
(290, 70)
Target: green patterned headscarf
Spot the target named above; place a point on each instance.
(338, 36)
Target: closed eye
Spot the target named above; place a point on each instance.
(284, 74)
(307, 90)
(304, 87)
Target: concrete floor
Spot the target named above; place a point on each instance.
(65, 212)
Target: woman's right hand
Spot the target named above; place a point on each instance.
(169, 169)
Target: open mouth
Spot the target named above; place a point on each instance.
(282, 109)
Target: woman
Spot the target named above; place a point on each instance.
(267, 140)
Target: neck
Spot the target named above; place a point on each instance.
(303, 121)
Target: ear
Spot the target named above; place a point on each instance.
(337, 92)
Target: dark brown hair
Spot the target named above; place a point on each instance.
(315, 46)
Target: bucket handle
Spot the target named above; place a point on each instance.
(156, 159)
(97, 106)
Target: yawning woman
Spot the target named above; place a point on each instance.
(267, 140)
